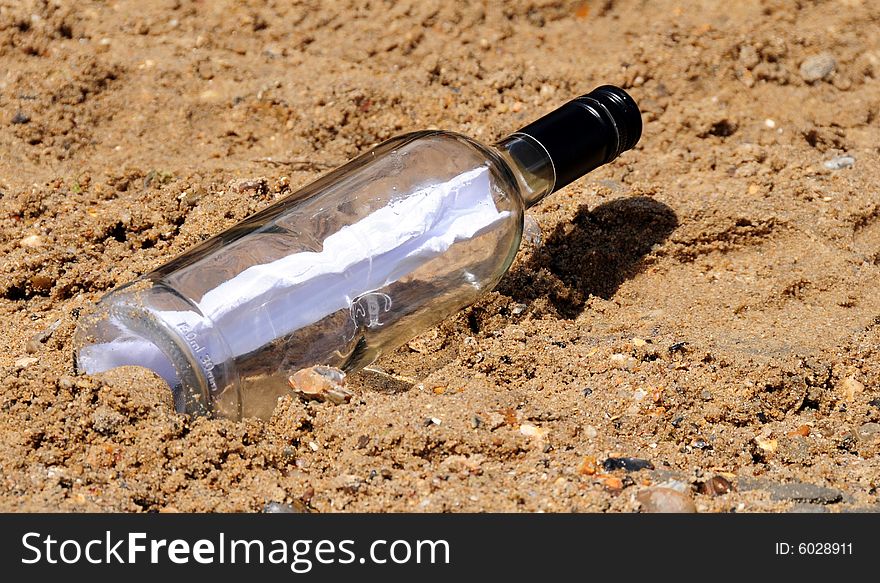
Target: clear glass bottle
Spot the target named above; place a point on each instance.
(352, 265)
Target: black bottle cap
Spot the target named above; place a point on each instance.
(587, 132)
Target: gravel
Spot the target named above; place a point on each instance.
(665, 500)
(818, 67)
(840, 162)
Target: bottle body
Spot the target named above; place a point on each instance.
(351, 266)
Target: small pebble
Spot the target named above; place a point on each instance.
(818, 67)
(716, 486)
(591, 432)
(24, 362)
(869, 431)
(31, 241)
(37, 340)
(532, 431)
(766, 443)
(588, 466)
(518, 309)
(666, 500)
(850, 387)
(630, 464)
(839, 162)
(21, 118)
(190, 197)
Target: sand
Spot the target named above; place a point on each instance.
(707, 302)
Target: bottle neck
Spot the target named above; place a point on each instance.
(531, 164)
(570, 141)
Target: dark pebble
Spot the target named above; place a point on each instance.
(21, 118)
(588, 392)
(677, 347)
(630, 464)
(715, 486)
(875, 403)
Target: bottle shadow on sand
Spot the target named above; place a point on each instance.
(592, 255)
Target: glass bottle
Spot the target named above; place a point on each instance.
(352, 265)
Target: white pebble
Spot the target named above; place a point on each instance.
(840, 162)
(31, 241)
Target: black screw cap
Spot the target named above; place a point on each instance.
(587, 132)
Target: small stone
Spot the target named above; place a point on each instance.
(769, 123)
(588, 466)
(533, 431)
(623, 361)
(591, 432)
(869, 431)
(874, 403)
(320, 383)
(803, 492)
(639, 342)
(802, 431)
(20, 118)
(280, 508)
(716, 486)
(629, 464)
(24, 362)
(818, 67)
(850, 387)
(839, 163)
(31, 241)
(613, 484)
(518, 309)
(37, 340)
(189, 198)
(665, 500)
(766, 443)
